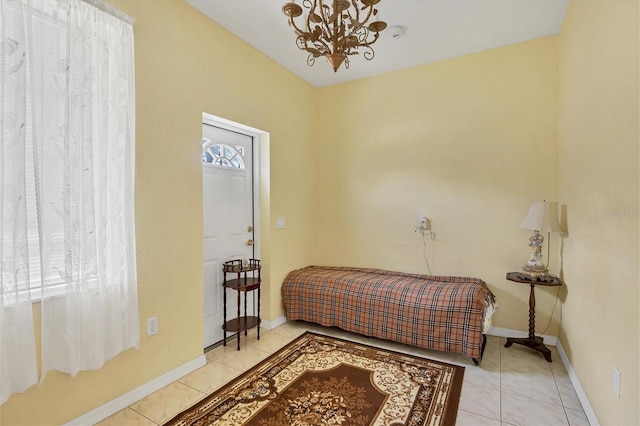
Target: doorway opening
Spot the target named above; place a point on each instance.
(230, 221)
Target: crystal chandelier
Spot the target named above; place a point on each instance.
(335, 29)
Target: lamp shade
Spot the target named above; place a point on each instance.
(543, 216)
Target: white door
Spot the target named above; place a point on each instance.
(227, 201)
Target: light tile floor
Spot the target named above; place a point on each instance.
(512, 386)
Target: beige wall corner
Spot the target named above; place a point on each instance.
(599, 186)
(469, 142)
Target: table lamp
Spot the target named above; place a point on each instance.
(543, 216)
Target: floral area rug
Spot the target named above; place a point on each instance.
(321, 380)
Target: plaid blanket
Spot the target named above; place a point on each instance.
(432, 312)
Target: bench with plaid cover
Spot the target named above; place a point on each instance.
(432, 312)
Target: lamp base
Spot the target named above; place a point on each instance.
(534, 272)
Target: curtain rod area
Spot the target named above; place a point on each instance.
(106, 7)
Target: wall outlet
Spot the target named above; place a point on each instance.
(152, 326)
(423, 223)
(616, 381)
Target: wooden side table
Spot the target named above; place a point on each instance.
(533, 341)
(243, 283)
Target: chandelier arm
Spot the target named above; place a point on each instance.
(314, 7)
(297, 29)
(362, 36)
(301, 43)
(321, 44)
(295, 26)
(311, 60)
(302, 39)
(357, 17)
(357, 10)
(369, 53)
(321, 47)
(337, 25)
(369, 43)
(327, 33)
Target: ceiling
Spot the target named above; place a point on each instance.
(435, 30)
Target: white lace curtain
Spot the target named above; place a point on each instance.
(67, 118)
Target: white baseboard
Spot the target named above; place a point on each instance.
(507, 332)
(123, 401)
(270, 325)
(554, 341)
(582, 396)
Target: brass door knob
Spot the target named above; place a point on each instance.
(249, 228)
(249, 242)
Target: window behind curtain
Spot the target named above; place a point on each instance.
(67, 105)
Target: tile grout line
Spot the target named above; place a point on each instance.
(500, 378)
(139, 413)
(556, 384)
(564, 409)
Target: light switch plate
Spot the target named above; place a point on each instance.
(280, 222)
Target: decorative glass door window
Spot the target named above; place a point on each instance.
(221, 154)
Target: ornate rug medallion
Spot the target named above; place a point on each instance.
(321, 380)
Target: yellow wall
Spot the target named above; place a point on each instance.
(187, 65)
(599, 184)
(470, 142)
